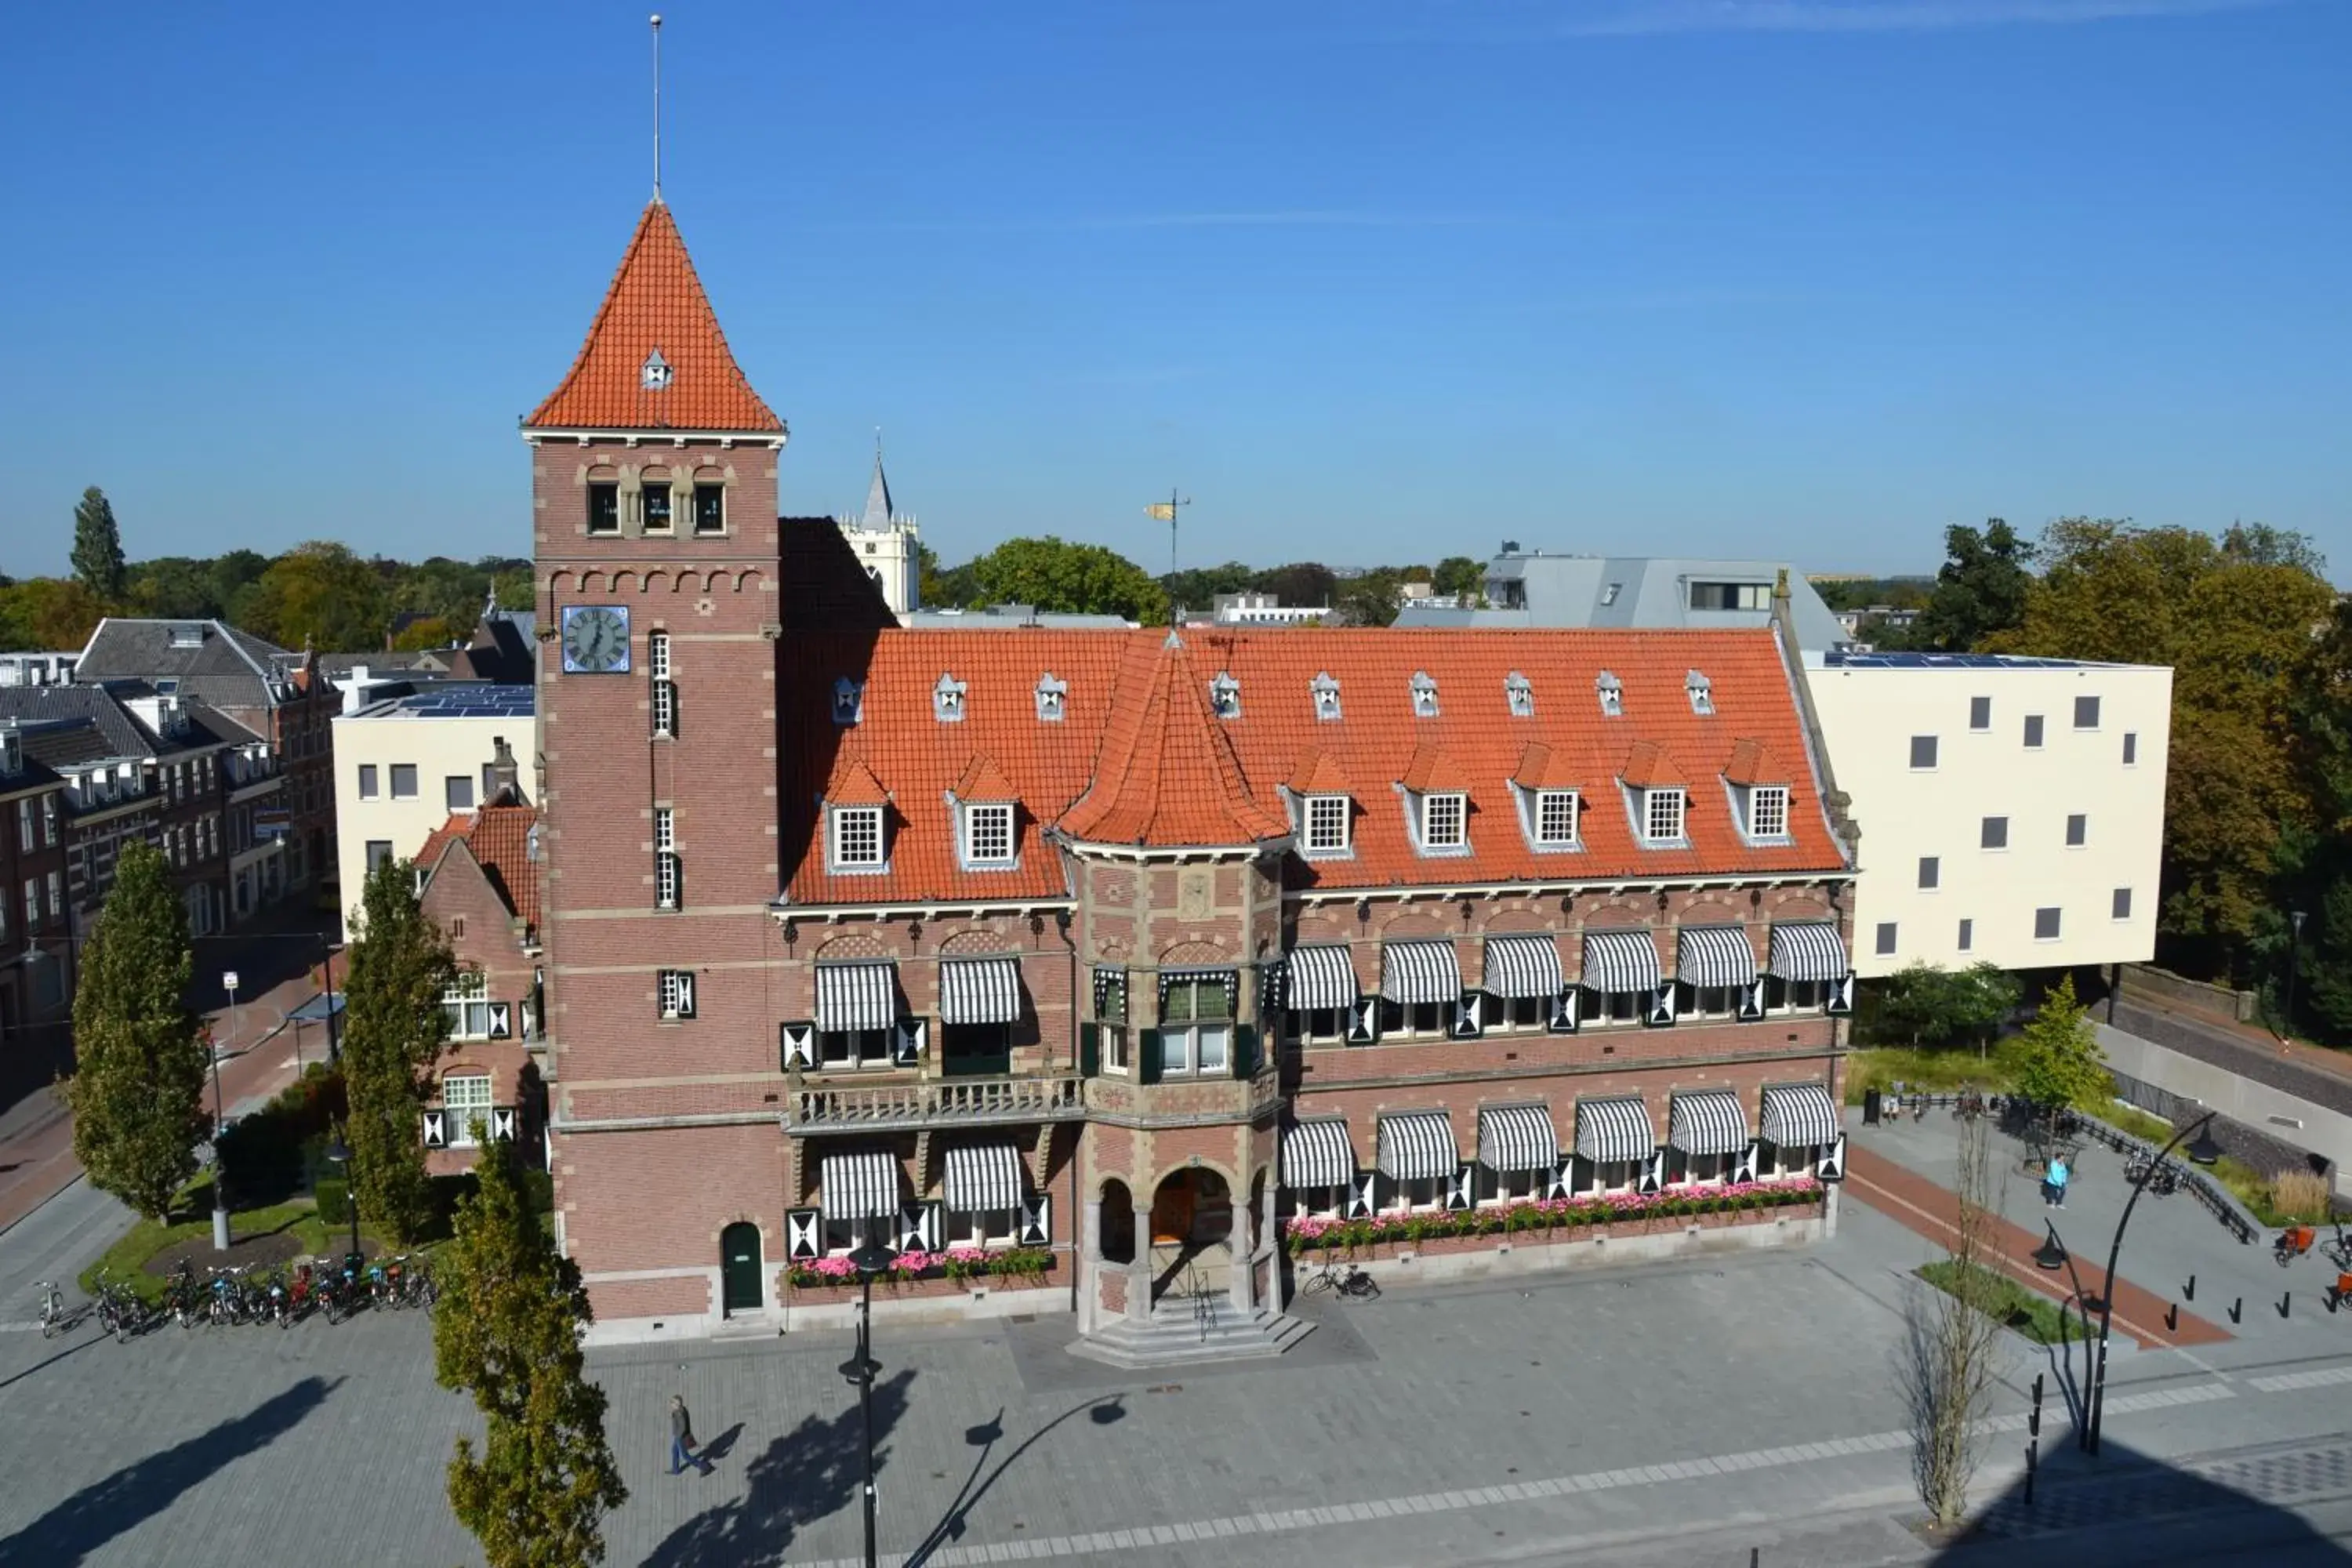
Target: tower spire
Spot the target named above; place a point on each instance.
(877, 494)
(657, 195)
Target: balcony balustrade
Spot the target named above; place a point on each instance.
(936, 1103)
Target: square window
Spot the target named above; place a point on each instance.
(2087, 713)
(1327, 824)
(1923, 751)
(603, 507)
(368, 782)
(2078, 831)
(1979, 713)
(1886, 944)
(1441, 822)
(1556, 811)
(1767, 812)
(466, 1099)
(458, 793)
(379, 851)
(403, 781)
(1931, 872)
(1968, 935)
(656, 500)
(2131, 748)
(711, 509)
(2121, 908)
(2033, 731)
(988, 835)
(2046, 926)
(1662, 815)
(857, 836)
(1994, 833)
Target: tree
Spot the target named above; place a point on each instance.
(1051, 574)
(2055, 1061)
(55, 614)
(1935, 1006)
(1197, 588)
(507, 1330)
(137, 1092)
(1371, 599)
(394, 1026)
(98, 546)
(318, 595)
(1459, 576)
(1980, 589)
(1306, 583)
(2260, 544)
(1952, 1341)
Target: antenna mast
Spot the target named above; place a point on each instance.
(657, 195)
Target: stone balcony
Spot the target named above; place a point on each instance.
(817, 1108)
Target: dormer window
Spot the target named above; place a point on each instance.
(1444, 821)
(1328, 823)
(848, 700)
(1520, 695)
(1327, 696)
(857, 838)
(1424, 695)
(1556, 817)
(987, 835)
(1701, 693)
(947, 701)
(1767, 811)
(1052, 697)
(1226, 696)
(1611, 693)
(1662, 811)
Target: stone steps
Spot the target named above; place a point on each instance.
(1184, 1329)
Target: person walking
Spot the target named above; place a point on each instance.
(681, 1438)
(2058, 1176)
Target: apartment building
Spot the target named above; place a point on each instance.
(36, 958)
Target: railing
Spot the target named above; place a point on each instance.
(953, 1099)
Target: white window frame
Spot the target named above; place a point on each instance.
(1567, 800)
(998, 815)
(1417, 1020)
(1316, 1026)
(979, 1227)
(1767, 811)
(1418, 1195)
(1183, 1041)
(1451, 807)
(467, 1002)
(1496, 1188)
(675, 989)
(666, 866)
(848, 1050)
(1594, 1175)
(1660, 803)
(845, 817)
(843, 1236)
(1688, 1171)
(1324, 836)
(1784, 997)
(479, 1094)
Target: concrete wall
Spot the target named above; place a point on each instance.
(2275, 1113)
(1869, 717)
(439, 748)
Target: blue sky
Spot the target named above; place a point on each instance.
(1387, 280)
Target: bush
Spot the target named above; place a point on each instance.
(2301, 1194)
(539, 1192)
(335, 1200)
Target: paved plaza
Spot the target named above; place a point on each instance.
(1673, 1414)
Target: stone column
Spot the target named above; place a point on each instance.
(1089, 1263)
(1139, 1280)
(1242, 1279)
(1273, 1249)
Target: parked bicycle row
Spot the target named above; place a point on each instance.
(252, 1295)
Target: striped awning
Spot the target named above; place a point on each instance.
(1707, 1121)
(1799, 1114)
(1808, 950)
(1522, 966)
(1320, 977)
(1416, 1145)
(1614, 1130)
(1714, 955)
(987, 1177)
(1517, 1138)
(1231, 979)
(1420, 972)
(980, 991)
(860, 1186)
(856, 997)
(1318, 1155)
(1619, 961)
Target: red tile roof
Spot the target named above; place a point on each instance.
(1753, 764)
(1431, 769)
(854, 784)
(655, 305)
(981, 779)
(1646, 763)
(1139, 757)
(498, 838)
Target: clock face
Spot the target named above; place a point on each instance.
(596, 639)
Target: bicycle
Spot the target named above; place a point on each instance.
(120, 1312)
(1968, 1106)
(183, 1302)
(1351, 1282)
(53, 1307)
(417, 1287)
(2159, 1177)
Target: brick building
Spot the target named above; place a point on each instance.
(1119, 952)
(34, 954)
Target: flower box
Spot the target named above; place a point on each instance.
(915, 1273)
(1538, 1220)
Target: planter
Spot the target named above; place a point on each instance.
(934, 1280)
(1551, 1221)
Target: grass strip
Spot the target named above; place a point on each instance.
(2003, 1299)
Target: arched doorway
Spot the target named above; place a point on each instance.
(739, 1269)
(1191, 1218)
(1116, 1223)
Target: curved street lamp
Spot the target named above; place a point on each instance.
(870, 1258)
(2098, 1403)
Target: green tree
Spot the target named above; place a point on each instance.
(1371, 599)
(2260, 544)
(1197, 587)
(1980, 590)
(1304, 583)
(98, 546)
(507, 1330)
(1459, 575)
(137, 1092)
(2055, 1059)
(318, 595)
(1052, 573)
(175, 588)
(394, 1027)
(1928, 1005)
(53, 614)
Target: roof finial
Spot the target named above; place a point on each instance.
(657, 195)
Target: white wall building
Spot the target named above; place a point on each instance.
(887, 543)
(405, 763)
(1257, 609)
(2011, 809)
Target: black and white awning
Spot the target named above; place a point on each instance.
(1714, 955)
(1522, 966)
(1799, 1114)
(1707, 1121)
(985, 1178)
(1420, 972)
(1808, 950)
(1517, 1138)
(1416, 1145)
(1231, 979)
(1614, 1130)
(860, 1186)
(1619, 961)
(856, 997)
(1318, 1155)
(1320, 977)
(980, 991)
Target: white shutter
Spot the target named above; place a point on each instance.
(501, 1016)
(1468, 1021)
(1563, 1177)
(803, 1233)
(1364, 1024)
(1464, 1191)
(1745, 1171)
(1362, 1195)
(436, 1129)
(910, 1228)
(1751, 1002)
(1567, 1010)
(502, 1123)
(1653, 1173)
(684, 983)
(800, 1045)
(1841, 996)
(908, 1039)
(930, 1226)
(1833, 1165)
(1037, 1220)
(1662, 1005)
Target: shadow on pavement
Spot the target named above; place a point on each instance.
(805, 1474)
(1107, 1411)
(52, 1361)
(95, 1515)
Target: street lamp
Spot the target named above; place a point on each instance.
(2098, 1401)
(220, 1119)
(2050, 1253)
(870, 1258)
(2294, 961)
(340, 1153)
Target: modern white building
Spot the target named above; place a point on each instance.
(1257, 609)
(404, 764)
(2011, 809)
(888, 545)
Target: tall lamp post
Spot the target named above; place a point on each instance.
(2204, 1151)
(220, 1121)
(339, 1153)
(870, 1258)
(2294, 961)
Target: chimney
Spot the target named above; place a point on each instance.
(506, 787)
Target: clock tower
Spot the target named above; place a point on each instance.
(656, 535)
